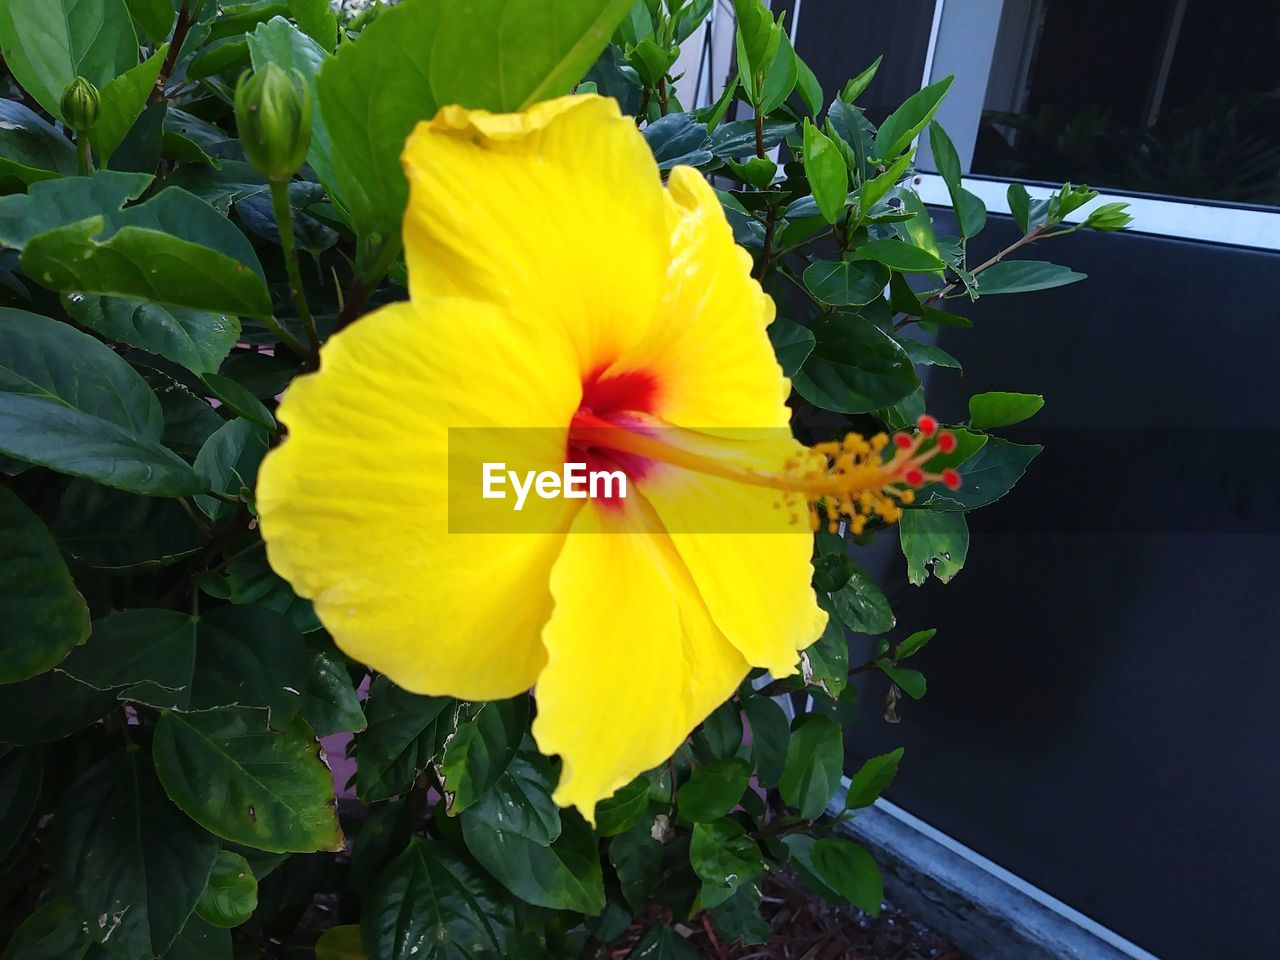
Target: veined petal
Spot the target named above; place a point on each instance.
(709, 348)
(634, 661)
(558, 210)
(355, 507)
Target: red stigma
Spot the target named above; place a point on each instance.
(946, 442)
(951, 478)
(928, 425)
(901, 440)
(914, 476)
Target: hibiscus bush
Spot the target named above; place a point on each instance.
(557, 743)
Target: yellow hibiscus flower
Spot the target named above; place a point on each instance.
(565, 300)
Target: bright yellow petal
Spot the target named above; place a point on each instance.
(634, 662)
(355, 507)
(558, 210)
(709, 347)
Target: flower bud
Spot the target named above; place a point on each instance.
(80, 105)
(273, 115)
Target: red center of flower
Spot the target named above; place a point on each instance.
(611, 397)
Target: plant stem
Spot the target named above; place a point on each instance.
(766, 252)
(180, 31)
(84, 154)
(662, 96)
(284, 220)
(760, 134)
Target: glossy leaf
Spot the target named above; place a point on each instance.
(197, 339)
(404, 735)
(42, 615)
(431, 905)
(855, 367)
(847, 868)
(903, 257)
(620, 812)
(724, 858)
(123, 100)
(792, 344)
(231, 894)
(995, 409)
(229, 462)
(1024, 276)
(846, 283)
(637, 860)
(678, 139)
(904, 124)
(131, 865)
(329, 700)
(825, 663)
(815, 760)
(243, 782)
(933, 541)
(871, 779)
(713, 790)
(31, 149)
(476, 756)
(986, 476)
(770, 732)
(825, 169)
(911, 681)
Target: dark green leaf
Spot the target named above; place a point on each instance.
(928, 354)
(855, 367)
(792, 344)
(114, 531)
(48, 43)
(42, 615)
(800, 846)
(934, 541)
(189, 421)
(986, 476)
(662, 943)
(130, 864)
(736, 140)
(317, 20)
(153, 17)
(1020, 206)
(846, 283)
(738, 919)
(229, 461)
(770, 733)
(49, 707)
(340, 943)
(21, 778)
(123, 100)
(196, 339)
(200, 941)
(903, 257)
(871, 779)
(911, 681)
(404, 735)
(713, 790)
(720, 735)
(637, 859)
(30, 149)
(431, 905)
(69, 403)
(848, 869)
(228, 656)
(231, 894)
(620, 812)
(815, 760)
(329, 701)
(250, 579)
(678, 139)
(52, 932)
(904, 124)
(861, 605)
(825, 663)
(239, 780)
(65, 201)
(724, 858)
(478, 753)
(995, 409)
(240, 401)
(1023, 276)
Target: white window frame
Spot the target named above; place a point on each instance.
(1206, 221)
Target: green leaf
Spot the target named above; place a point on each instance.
(843, 283)
(724, 858)
(30, 149)
(901, 256)
(69, 403)
(738, 919)
(792, 344)
(476, 756)
(250, 579)
(678, 139)
(808, 87)
(228, 656)
(986, 476)
(280, 42)
(188, 420)
(757, 38)
(21, 779)
(934, 541)
(781, 79)
(60, 202)
(855, 367)
(511, 832)
(340, 943)
(42, 615)
(912, 645)
(815, 760)
(871, 779)
(430, 905)
(996, 409)
(736, 140)
(620, 812)
(195, 339)
(848, 869)
(825, 169)
(1023, 276)
(240, 401)
(231, 895)
(713, 790)
(825, 663)
(228, 461)
(504, 55)
(945, 158)
(317, 20)
(329, 700)
(243, 782)
(115, 531)
(48, 43)
(153, 17)
(1020, 206)
(129, 863)
(770, 733)
(858, 602)
(853, 89)
(911, 681)
(637, 860)
(662, 943)
(904, 124)
(927, 354)
(720, 735)
(49, 707)
(52, 932)
(200, 941)
(123, 100)
(404, 735)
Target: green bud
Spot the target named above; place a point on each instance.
(80, 105)
(273, 115)
(1109, 217)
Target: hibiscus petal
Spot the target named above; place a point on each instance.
(558, 210)
(634, 661)
(355, 507)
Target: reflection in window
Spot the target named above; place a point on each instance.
(1174, 97)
